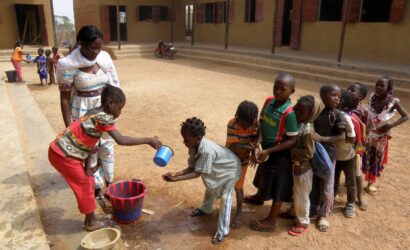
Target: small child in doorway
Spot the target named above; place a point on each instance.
(50, 66)
(242, 135)
(346, 157)
(41, 61)
(361, 112)
(330, 128)
(383, 106)
(69, 153)
(219, 168)
(307, 109)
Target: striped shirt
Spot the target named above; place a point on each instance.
(220, 169)
(237, 134)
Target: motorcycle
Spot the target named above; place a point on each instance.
(164, 50)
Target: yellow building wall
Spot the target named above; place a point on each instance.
(388, 42)
(252, 34)
(88, 12)
(8, 26)
(320, 37)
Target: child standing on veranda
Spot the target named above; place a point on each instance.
(242, 135)
(330, 128)
(360, 117)
(50, 66)
(383, 106)
(70, 152)
(219, 168)
(307, 109)
(41, 61)
(346, 156)
(278, 133)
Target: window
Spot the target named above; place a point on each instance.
(164, 13)
(209, 13)
(250, 11)
(331, 10)
(145, 13)
(253, 11)
(376, 10)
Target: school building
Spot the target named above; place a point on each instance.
(29, 21)
(364, 29)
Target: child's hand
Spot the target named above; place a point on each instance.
(261, 156)
(170, 177)
(317, 137)
(384, 129)
(155, 143)
(91, 171)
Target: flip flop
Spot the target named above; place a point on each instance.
(260, 227)
(371, 189)
(197, 213)
(299, 230)
(218, 238)
(103, 217)
(250, 199)
(323, 224)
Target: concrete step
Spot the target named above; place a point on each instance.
(320, 78)
(21, 226)
(63, 224)
(338, 72)
(299, 59)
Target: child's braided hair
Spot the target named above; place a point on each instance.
(194, 127)
(112, 93)
(247, 112)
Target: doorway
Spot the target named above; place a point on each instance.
(189, 9)
(112, 12)
(288, 23)
(31, 24)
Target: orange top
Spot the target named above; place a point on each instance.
(17, 56)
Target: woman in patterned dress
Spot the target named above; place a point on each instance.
(82, 76)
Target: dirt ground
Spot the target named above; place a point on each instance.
(163, 93)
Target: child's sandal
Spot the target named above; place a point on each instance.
(197, 213)
(299, 230)
(218, 238)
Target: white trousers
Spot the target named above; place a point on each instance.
(302, 185)
(224, 210)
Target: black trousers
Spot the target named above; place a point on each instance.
(348, 168)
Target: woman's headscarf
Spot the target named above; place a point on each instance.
(75, 60)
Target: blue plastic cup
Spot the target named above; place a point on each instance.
(163, 156)
(28, 57)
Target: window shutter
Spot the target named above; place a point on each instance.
(353, 14)
(279, 23)
(231, 11)
(397, 11)
(259, 11)
(200, 13)
(105, 22)
(247, 11)
(296, 24)
(310, 10)
(218, 12)
(171, 14)
(156, 13)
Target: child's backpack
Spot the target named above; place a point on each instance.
(360, 131)
(321, 163)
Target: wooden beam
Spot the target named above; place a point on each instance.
(227, 10)
(343, 30)
(193, 23)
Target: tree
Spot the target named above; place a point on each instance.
(65, 31)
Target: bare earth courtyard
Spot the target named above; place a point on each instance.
(163, 93)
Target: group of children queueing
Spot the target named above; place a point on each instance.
(46, 65)
(280, 140)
